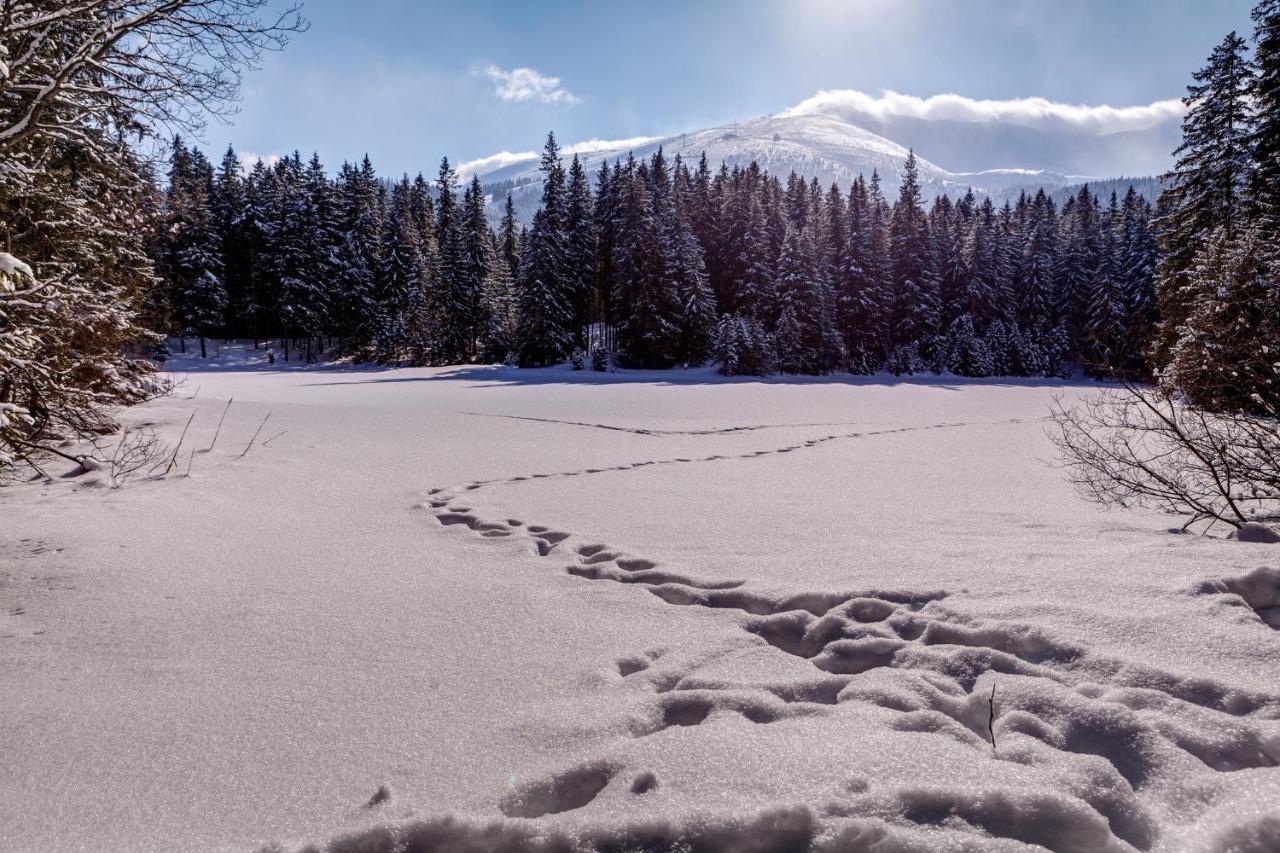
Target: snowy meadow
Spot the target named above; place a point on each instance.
(894, 472)
(497, 609)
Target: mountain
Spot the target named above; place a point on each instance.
(822, 146)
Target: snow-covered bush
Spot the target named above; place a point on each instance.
(742, 346)
(905, 360)
(578, 358)
(599, 359)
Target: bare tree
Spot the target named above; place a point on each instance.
(80, 80)
(69, 67)
(1145, 446)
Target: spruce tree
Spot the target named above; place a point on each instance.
(1206, 182)
(914, 311)
(580, 250)
(455, 292)
(193, 256)
(646, 305)
(545, 320)
(1264, 182)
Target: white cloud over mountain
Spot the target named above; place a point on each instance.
(1039, 113)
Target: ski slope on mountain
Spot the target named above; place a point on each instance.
(494, 609)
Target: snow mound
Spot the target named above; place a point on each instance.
(1253, 531)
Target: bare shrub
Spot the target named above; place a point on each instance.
(137, 450)
(1142, 446)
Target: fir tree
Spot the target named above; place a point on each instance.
(1206, 182)
(914, 310)
(545, 320)
(193, 257)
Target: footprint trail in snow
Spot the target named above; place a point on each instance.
(1143, 736)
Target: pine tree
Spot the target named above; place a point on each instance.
(1226, 357)
(580, 250)
(478, 260)
(228, 212)
(646, 305)
(545, 320)
(300, 248)
(406, 326)
(1264, 181)
(967, 351)
(726, 344)
(696, 300)
(193, 257)
(1206, 182)
(914, 311)
(354, 309)
(456, 292)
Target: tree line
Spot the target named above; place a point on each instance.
(679, 264)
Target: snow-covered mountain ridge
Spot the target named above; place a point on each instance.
(814, 146)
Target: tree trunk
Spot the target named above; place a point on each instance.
(203, 352)
(284, 343)
(182, 342)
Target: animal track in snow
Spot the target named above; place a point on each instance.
(659, 432)
(929, 669)
(562, 792)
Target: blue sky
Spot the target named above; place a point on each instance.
(408, 82)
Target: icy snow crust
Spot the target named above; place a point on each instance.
(491, 609)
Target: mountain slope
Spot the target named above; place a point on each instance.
(813, 146)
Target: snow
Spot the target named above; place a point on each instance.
(499, 609)
(825, 147)
(12, 268)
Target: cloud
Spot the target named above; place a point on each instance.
(249, 159)
(1040, 113)
(592, 145)
(494, 162)
(526, 84)
(485, 165)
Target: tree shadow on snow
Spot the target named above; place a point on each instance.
(495, 376)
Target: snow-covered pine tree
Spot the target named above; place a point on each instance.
(1205, 185)
(646, 307)
(967, 352)
(580, 250)
(726, 344)
(406, 328)
(502, 307)
(914, 311)
(300, 251)
(545, 320)
(509, 238)
(1264, 181)
(803, 346)
(1103, 331)
(228, 211)
(1138, 257)
(697, 301)
(193, 250)
(454, 291)
(1227, 356)
(354, 310)
(478, 259)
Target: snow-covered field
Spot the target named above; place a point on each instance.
(541, 609)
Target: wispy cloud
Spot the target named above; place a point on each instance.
(1028, 112)
(527, 84)
(485, 165)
